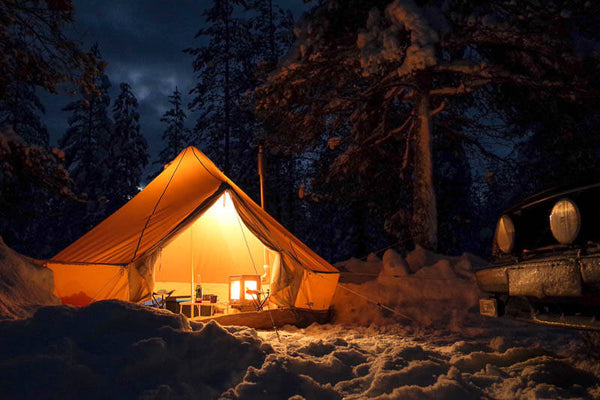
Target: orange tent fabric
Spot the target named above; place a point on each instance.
(181, 224)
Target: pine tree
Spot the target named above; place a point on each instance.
(36, 54)
(127, 151)
(382, 72)
(86, 144)
(31, 180)
(35, 49)
(272, 29)
(21, 109)
(176, 136)
(224, 68)
(272, 35)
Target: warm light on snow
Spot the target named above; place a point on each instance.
(114, 349)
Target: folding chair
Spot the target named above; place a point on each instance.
(161, 302)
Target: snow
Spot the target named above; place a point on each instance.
(425, 289)
(439, 348)
(379, 45)
(24, 285)
(396, 362)
(114, 349)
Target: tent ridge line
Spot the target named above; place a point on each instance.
(187, 220)
(156, 206)
(201, 163)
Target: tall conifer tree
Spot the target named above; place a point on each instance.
(127, 150)
(36, 54)
(225, 69)
(385, 75)
(176, 136)
(86, 146)
(20, 109)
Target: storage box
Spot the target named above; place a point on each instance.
(210, 297)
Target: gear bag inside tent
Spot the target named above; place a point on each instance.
(192, 228)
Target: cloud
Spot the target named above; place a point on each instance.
(142, 42)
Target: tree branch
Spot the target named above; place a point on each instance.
(471, 141)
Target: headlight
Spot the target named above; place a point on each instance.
(565, 221)
(505, 234)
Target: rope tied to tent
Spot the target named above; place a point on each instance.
(377, 303)
(369, 300)
(256, 270)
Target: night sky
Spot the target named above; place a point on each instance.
(142, 42)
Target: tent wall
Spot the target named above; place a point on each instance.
(316, 290)
(80, 285)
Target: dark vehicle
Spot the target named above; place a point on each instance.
(546, 260)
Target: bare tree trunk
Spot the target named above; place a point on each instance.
(424, 215)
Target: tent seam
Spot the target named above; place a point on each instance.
(207, 170)
(156, 206)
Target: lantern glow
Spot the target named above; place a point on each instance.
(240, 285)
(234, 290)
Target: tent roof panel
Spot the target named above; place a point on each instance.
(148, 217)
(189, 181)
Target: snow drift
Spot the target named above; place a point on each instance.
(24, 285)
(114, 349)
(426, 289)
(117, 350)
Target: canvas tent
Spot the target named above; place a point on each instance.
(191, 224)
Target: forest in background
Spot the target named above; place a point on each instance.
(385, 123)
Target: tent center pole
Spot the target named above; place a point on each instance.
(192, 288)
(261, 173)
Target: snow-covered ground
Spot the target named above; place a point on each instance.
(117, 350)
(499, 360)
(429, 343)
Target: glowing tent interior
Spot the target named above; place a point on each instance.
(192, 225)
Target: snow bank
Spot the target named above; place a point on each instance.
(24, 285)
(118, 350)
(425, 289)
(112, 349)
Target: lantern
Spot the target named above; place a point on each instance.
(243, 289)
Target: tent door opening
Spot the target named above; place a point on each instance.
(218, 253)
